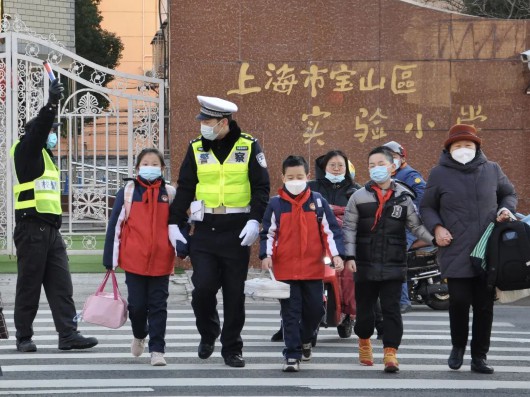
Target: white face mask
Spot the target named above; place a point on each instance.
(397, 162)
(463, 155)
(208, 132)
(295, 187)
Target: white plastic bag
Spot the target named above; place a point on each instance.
(267, 288)
(512, 296)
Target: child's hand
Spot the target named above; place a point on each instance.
(266, 263)
(338, 264)
(351, 266)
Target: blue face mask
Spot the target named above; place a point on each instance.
(51, 142)
(379, 174)
(334, 178)
(150, 173)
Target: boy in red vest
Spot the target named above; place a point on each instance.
(299, 230)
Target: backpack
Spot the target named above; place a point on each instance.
(128, 191)
(508, 256)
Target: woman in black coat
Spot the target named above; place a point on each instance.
(464, 193)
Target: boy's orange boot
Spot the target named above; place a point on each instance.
(365, 352)
(390, 360)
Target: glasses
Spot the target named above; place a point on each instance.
(335, 165)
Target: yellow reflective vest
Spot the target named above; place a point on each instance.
(46, 191)
(223, 184)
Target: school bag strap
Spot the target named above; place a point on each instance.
(128, 192)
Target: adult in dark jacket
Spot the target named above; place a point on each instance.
(464, 193)
(41, 253)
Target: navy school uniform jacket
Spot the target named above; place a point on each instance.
(297, 250)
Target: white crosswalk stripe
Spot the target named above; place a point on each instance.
(109, 368)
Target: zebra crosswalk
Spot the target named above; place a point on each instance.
(110, 369)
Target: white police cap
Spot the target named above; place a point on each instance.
(212, 108)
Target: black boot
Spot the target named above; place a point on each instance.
(456, 358)
(278, 336)
(481, 366)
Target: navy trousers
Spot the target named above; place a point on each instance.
(301, 315)
(147, 304)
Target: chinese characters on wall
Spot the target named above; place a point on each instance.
(369, 123)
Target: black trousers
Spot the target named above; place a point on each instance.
(389, 293)
(219, 261)
(42, 261)
(301, 315)
(147, 304)
(464, 293)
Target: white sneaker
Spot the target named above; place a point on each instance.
(137, 347)
(157, 359)
(291, 365)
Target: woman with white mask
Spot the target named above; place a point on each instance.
(464, 193)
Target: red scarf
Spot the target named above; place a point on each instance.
(298, 224)
(150, 196)
(381, 200)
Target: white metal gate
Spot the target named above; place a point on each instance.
(103, 128)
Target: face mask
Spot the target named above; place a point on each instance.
(208, 132)
(379, 174)
(150, 173)
(51, 142)
(334, 178)
(295, 187)
(397, 162)
(463, 155)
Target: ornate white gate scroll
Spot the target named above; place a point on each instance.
(103, 128)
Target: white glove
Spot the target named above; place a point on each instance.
(250, 232)
(175, 235)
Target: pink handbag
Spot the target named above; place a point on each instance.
(104, 308)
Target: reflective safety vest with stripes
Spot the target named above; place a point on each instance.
(223, 184)
(46, 191)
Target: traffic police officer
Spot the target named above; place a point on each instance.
(226, 172)
(41, 253)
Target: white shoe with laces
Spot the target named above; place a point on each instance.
(157, 359)
(137, 347)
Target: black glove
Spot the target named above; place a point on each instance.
(55, 92)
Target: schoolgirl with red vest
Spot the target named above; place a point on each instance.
(137, 241)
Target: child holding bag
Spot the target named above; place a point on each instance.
(137, 240)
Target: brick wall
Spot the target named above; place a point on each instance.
(46, 17)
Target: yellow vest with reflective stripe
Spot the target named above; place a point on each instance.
(223, 184)
(46, 192)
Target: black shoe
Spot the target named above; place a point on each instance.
(205, 350)
(76, 341)
(405, 308)
(278, 336)
(456, 358)
(26, 345)
(481, 366)
(345, 328)
(235, 360)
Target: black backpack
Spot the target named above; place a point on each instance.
(508, 256)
